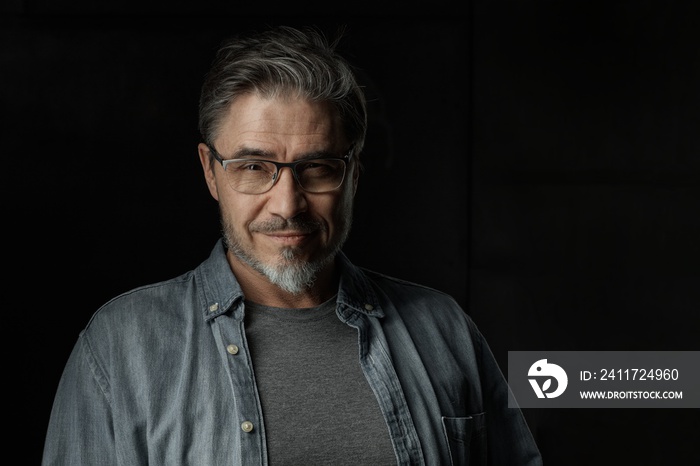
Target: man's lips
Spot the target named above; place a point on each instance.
(289, 238)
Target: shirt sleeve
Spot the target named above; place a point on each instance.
(510, 440)
(80, 430)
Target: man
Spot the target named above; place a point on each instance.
(277, 349)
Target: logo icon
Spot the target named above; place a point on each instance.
(547, 371)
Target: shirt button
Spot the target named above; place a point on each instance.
(369, 307)
(247, 426)
(214, 307)
(232, 349)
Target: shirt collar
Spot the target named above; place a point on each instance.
(220, 287)
(355, 290)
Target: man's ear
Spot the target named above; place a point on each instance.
(355, 177)
(205, 159)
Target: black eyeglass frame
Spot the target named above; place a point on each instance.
(291, 165)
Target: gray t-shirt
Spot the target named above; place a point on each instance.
(317, 406)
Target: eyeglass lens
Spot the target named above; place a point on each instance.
(257, 176)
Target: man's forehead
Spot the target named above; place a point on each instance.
(266, 120)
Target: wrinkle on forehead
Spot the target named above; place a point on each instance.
(256, 119)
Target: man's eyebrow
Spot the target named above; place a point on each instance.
(249, 152)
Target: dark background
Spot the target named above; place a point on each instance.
(538, 160)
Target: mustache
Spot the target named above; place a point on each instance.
(297, 224)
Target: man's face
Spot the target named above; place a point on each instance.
(285, 234)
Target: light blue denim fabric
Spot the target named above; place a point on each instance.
(161, 375)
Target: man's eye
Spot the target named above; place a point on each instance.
(316, 164)
(254, 166)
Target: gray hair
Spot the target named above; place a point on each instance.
(283, 61)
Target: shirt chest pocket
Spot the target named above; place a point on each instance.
(466, 437)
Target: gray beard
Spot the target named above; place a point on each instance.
(289, 272)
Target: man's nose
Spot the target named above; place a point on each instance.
(286, 198)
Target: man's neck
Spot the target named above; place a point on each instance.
(257, 288)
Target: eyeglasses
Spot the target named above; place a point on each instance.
(317, 175)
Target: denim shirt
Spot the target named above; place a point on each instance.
(161, 375)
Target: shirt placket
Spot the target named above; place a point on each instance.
(382, 378)
(229, 333)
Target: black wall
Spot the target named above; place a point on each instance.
(585, 193)
(535, 159)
